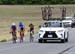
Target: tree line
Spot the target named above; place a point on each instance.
(35, 2)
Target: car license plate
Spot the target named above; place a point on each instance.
(50, 36)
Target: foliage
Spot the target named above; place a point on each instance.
(32, 2)
(4, 40)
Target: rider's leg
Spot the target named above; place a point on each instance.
(14, 41)
(21, 39)
(14, 37)
(31, 37)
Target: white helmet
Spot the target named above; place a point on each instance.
(13, 24)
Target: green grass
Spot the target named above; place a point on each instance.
(4, 40)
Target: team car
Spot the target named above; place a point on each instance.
(69, 22)
(53, 31)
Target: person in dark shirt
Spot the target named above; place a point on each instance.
(31, 26)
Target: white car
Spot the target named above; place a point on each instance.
(69, 22)
(53, 31)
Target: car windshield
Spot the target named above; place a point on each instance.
(52, 24)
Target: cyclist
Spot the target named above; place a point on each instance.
(31, 32)
(21, 31)
(13, 32)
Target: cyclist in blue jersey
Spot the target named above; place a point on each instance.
(21, 31)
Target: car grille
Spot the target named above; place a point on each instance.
(50, 34)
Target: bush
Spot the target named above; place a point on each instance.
(33, 2)
(4, 40)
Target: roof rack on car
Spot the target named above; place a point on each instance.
(47, 13)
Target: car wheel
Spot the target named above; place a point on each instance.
(63, 41)
(66, 40)
(44, 41)
(40, 40)
(67, 37)
(72, 26)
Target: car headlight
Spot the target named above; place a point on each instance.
(60, 30)
(62, 35)
(40, 32)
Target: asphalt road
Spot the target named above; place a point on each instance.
(40, 48)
